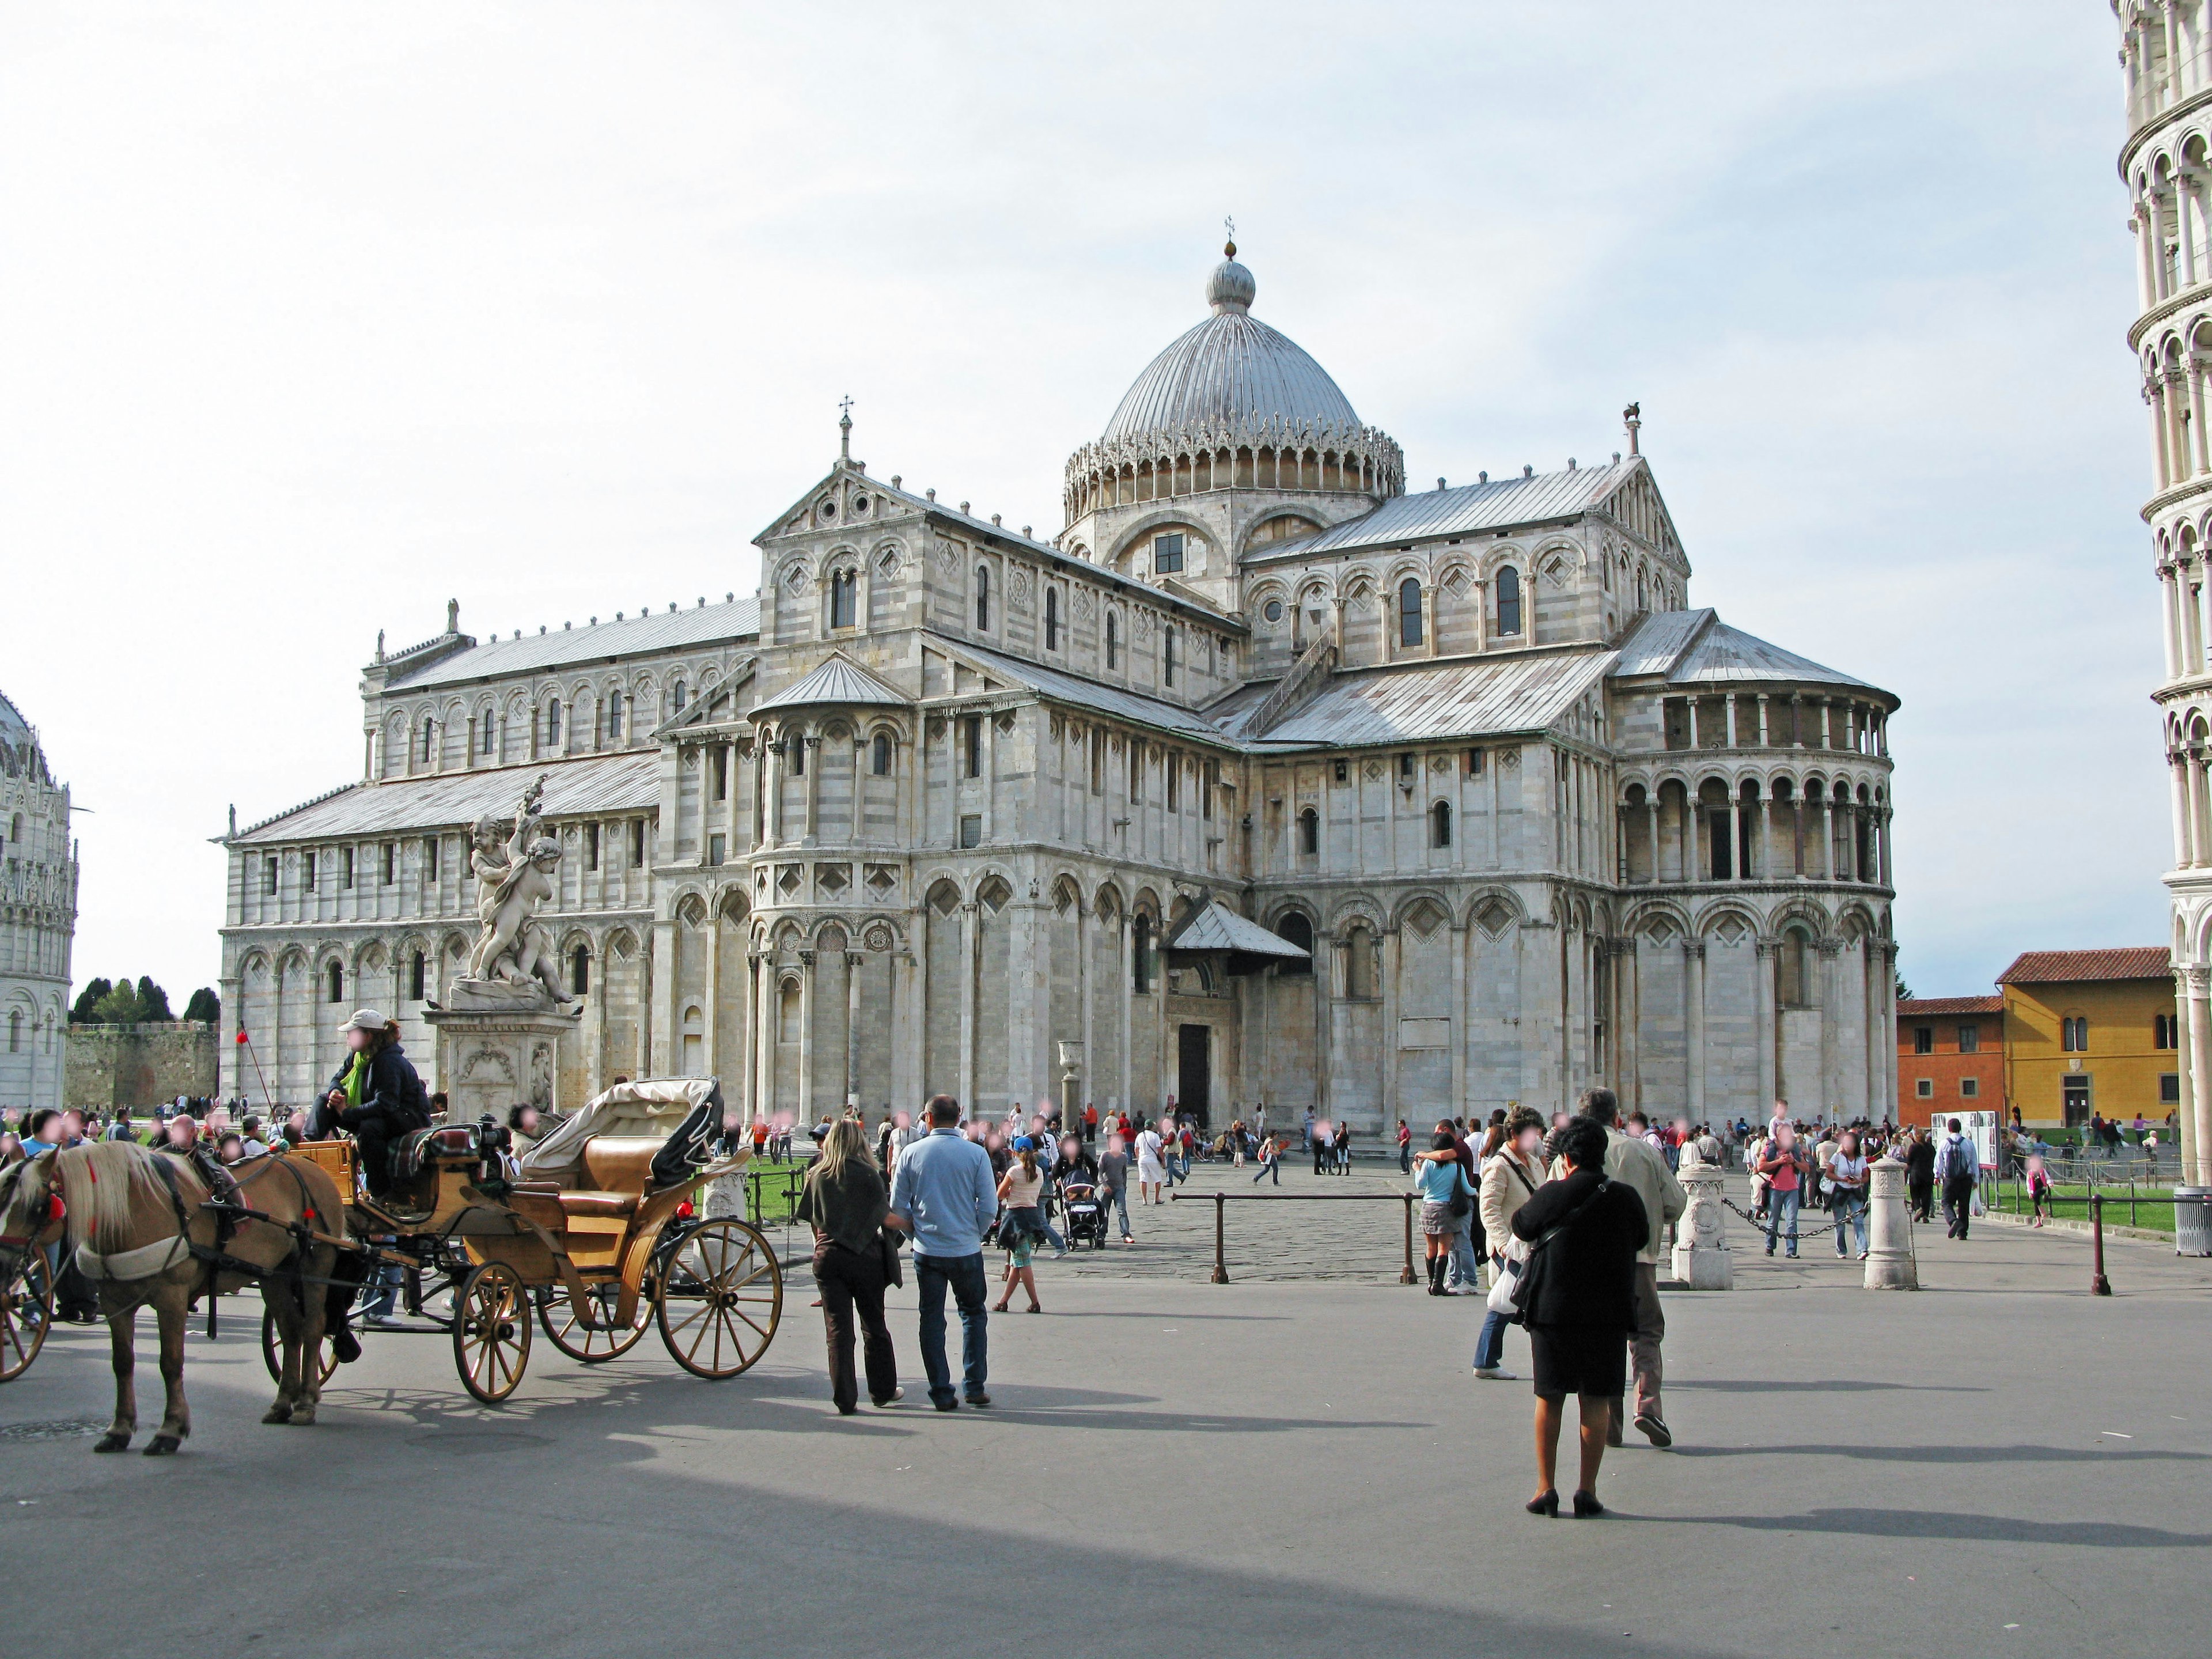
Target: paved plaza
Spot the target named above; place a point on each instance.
(2000, 1464)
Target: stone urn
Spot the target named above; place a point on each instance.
(1701, 1259)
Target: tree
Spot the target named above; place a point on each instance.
(205, 1005)
(153, 1000)
(118, 1007)
(1903, 991)
(88, 1000)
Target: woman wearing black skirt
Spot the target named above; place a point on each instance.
(1580, 1307)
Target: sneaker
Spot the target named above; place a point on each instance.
(384, 1321)
(979, 1399)
(891, 1400)
(1654, 1428)
(1495, 1374)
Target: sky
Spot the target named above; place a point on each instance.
(314, 317)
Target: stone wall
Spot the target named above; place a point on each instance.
(136, 1066)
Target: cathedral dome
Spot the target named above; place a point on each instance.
(1232, 373)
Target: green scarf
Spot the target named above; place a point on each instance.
(357, 1081)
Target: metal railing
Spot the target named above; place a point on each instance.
(1220, 1262)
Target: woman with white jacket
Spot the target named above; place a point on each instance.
(1510, 1178)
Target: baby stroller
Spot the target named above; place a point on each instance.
(1082, 1215)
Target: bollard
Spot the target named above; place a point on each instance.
(1701, 1259)
(1220, 1268)
(1891, 1264)
(2099, 1284)
(1409, 1276)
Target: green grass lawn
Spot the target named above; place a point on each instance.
(775, 1183)
(2152, 1208)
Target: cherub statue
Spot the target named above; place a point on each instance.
(512, 882)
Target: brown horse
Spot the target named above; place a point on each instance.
(136, 1224)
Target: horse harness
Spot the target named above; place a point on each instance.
(217, 1258)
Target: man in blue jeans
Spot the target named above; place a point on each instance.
(946, 1195)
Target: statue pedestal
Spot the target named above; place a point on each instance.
(1701, 1259)
(1891, 1264)
(499, 1046)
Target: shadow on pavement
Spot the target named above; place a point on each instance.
(1831, 1385)
(1954, 1454)
(1956, 1527)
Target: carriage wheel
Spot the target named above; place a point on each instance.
(580, 1341)
(720, 1298)
(272, 1350)
(491, 1332)
(26, 1310)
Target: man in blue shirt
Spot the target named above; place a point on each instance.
(945, 1194)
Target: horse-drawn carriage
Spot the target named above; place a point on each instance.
(598, 1234)
(595, 1233)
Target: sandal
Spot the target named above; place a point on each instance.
(1034, 1307)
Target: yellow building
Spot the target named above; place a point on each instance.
(2092, 1033)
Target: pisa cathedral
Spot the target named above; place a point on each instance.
(1265, 778)
(38, 917)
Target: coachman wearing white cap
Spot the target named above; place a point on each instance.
(375, 1096)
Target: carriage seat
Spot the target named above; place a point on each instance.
(621, 1163)
(613, 1205)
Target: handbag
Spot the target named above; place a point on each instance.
(1519, 1295)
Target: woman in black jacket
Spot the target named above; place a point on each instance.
(1580, 1306)
(845, 1200)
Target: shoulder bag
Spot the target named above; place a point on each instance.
(1513, 1293)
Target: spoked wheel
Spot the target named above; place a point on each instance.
(491, 1332)
(26, 1310)
(720, 1298)
(272, 1350)
(585, 1342)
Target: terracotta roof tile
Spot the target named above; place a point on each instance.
(2065, 967)
(1934, 1007)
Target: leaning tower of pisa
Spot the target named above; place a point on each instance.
(2166, 52)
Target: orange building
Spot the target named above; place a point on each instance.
(1950, 1057)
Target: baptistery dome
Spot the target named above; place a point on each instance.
(1232, 371)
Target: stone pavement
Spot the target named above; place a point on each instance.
(2000, 1464)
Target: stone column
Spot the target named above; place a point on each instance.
(1693, 1024)
(1629, 1015)
(806, 1037)
(813, 788)
(1459, 937)
(1768, 949)
(1874, 960)
(860, 775)
(854, 960)
(2197, 984)
(1701, 1259)
(1394, 954)
(1125, 953)
(2193, 770)
(772, 787)
(711, 1046)
(766, 1030)
(1830, 1017)
(1891, 1265)
(971, 945)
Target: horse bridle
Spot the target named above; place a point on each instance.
(19, 1244)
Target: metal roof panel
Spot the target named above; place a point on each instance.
(1473, 697)
(1495, 505)
(538, 653)
(625, 782)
